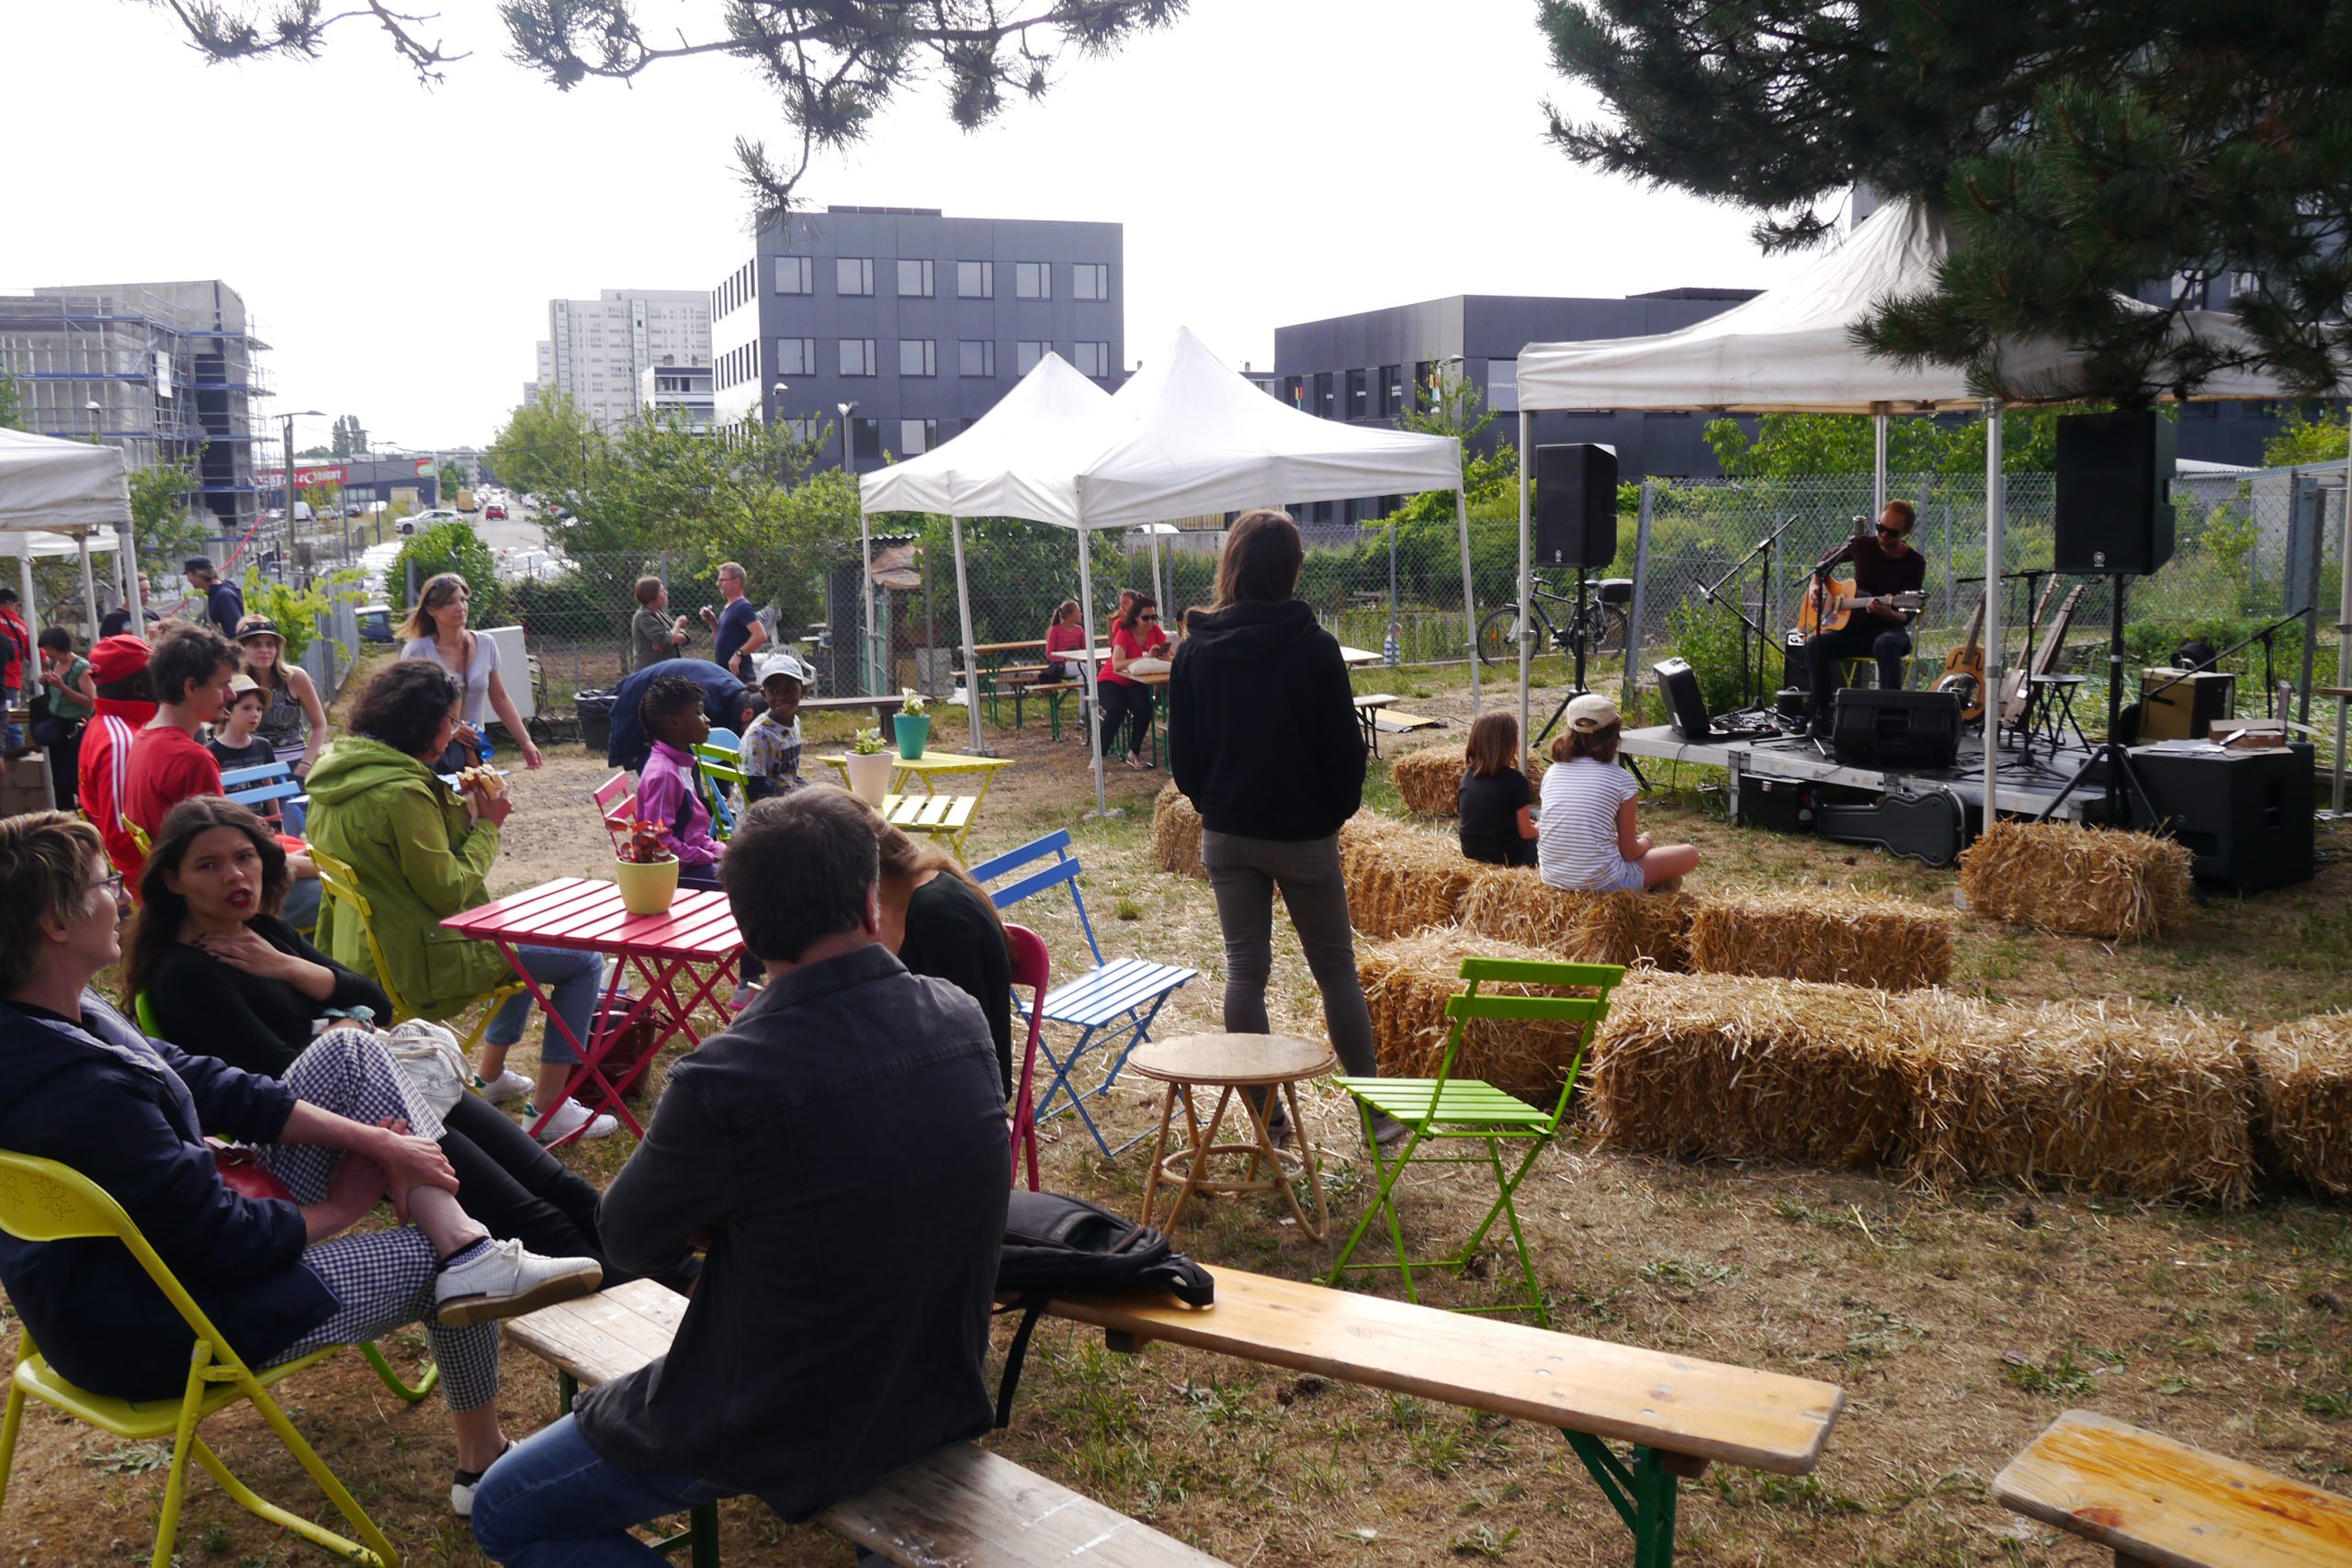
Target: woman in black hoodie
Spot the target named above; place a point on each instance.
(1263, 737)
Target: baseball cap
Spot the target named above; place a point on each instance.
(780, 663)
(1590, 712)
(119, 659)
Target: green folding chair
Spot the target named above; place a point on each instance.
(719, 769)
(1447, 1110)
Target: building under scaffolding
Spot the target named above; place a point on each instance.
(167, 371)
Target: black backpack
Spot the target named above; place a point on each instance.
(1056, 1246)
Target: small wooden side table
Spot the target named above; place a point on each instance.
(1226, 1063)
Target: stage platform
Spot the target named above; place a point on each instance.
(2026, 789)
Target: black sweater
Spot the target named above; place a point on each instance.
(954, 935)
(1262, 732)
(207, 1009)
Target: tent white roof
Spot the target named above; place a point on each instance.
(1017, 460)
(42, 546)
(1789, 349)
(62, 485)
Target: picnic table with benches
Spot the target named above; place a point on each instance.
(960, 1505)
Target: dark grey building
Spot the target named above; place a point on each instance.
(921, 319)
(1362, 369)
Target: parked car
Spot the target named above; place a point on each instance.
(433, 519)
(493, 512)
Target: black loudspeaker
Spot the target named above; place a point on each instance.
(2114, 511)
(2246, 816)
(1687, 707)
(1576, 505)
(1896, 730)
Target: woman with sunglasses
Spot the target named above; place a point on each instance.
(1884, 565)
(1135, 635)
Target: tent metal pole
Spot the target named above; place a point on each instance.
(1526, 639)
(1469, 595)
(1093, 682)
(1158, 589)
(1878, 461)
(130, 594)
(25, 589)
(2343, 635)
(89, 590)
(971, 658)
(869, 668)
(1996, 527)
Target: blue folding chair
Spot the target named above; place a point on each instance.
(1121, 997)
(256, 788)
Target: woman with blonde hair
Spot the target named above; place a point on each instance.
(436, 629)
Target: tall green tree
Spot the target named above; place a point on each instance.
(350, 437)
(12, 403)
(162, 516)
(1448, 403)
(1789, 446)
(832, 65)
(2080, 149)
(453, 479)
(2304, 440)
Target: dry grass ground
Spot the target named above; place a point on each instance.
(1958, 1327)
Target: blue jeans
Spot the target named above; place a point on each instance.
(551, 1503)
(572, 979)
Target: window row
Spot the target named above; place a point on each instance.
(913, 437)
(854, 277)
(919, 357)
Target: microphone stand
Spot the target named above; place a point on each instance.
(1710, 592)
(2269, 680)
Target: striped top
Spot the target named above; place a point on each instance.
(1576, 843)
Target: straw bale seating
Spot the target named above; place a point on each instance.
(1429, 778)
(1401, 878)
(2075, 881)
(1839, 936)
(1513, 903)
(1407, 983)
(1176, 833)
(2302, 1126)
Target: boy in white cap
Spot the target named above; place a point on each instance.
(771, 749)
(1586, 839)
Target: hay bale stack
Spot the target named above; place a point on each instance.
(1513, 905)
(1847, 937)
(1407, 982)
(1401, 879)
(1428, 779)
(2078, 881)
(2303, 1126)
(1718, 1067)
(2105, 1096)
(1176, 833)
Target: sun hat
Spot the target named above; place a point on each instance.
(1591, 712)
(118, 658)
(239, 684)
(258, 626)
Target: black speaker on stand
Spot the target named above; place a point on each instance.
(1576, 526)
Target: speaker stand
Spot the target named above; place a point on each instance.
(1578, 635)
(2111, 751)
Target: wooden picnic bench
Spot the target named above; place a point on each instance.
(2155, 1501)
(884, 709)
(1677, 1412)
(959, 1506)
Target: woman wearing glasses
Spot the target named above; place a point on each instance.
(1884, 565)
(1135, 635)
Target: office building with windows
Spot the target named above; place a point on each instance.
(598, 350)
(921, 319)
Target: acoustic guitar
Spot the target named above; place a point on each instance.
(1964, 669)
(2017, 686)
(1828, 607)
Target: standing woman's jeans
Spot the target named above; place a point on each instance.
(571, 980)
(1243, 874)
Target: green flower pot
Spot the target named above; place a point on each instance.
(913, 731)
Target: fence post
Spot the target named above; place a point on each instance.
(1641, 594)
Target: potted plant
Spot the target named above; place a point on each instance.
(646, 872)
(869, 767)
(912, 726)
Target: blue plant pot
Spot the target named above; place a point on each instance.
(914, 733)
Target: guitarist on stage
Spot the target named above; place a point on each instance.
(1883, 566)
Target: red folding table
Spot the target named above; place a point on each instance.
(578, 913)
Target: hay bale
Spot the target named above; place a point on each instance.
(1513, 903)
(1176, 833)
(2076, 881)
(1721, 1068)
(2104, 1095)
(1406, 984)
(1428, 779)
(1401, 879)
(2302, 1126)
(1845, 938)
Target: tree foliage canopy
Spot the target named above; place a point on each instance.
(2081, 148)
(831, 64)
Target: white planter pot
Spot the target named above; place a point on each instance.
(869, 777)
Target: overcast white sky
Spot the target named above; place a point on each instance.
(1274, 161)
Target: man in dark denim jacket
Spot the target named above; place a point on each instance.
(841, 1151)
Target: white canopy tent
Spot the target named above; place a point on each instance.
(1184, 436)
(67, 490)
(1790, 350)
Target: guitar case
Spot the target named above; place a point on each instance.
(1929, 825)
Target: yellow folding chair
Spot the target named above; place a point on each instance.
(41, 1201)
(342, 886)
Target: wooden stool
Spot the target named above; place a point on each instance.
(1230, 1062)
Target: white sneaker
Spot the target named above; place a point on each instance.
(572, 1117)
(461, 1489)
(501, 1280)
(505, 1087)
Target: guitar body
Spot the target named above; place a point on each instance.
(1964, 670)
(2017, 686)
(1829, 608)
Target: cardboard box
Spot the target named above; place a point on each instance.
(23, 785)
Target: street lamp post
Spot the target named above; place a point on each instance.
(288, 539)
(869, 676)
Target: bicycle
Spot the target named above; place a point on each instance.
(1602, 624)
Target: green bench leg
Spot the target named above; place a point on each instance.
(1644, 1494)
(700, 1538)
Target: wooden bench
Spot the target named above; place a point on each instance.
(959, 1506)
(2157, 1502)
(1676, 1412)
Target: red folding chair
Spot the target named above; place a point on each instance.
(1030, 967)
(615, 801)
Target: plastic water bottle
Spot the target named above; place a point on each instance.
(1388, 649)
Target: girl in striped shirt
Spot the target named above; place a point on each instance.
(1586, 839)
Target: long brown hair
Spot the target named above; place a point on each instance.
(1600, 745)
(1132, 617)
(1261, 561)
(163, 911)
(1493, 745)
(904, 859)
(438, 590)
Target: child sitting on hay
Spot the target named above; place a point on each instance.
(1494, 804)
(1587, 840)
